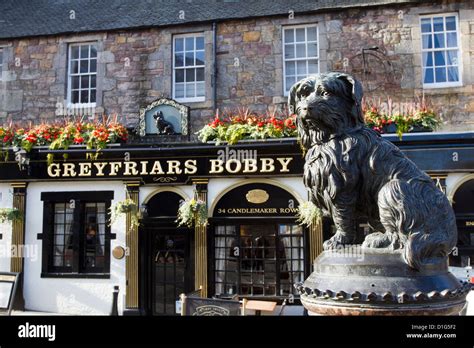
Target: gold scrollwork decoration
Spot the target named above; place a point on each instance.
(165, 179)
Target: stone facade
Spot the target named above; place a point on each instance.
(135, 67)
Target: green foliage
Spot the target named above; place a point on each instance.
(192, 212)
(10, 214)
(124, 207)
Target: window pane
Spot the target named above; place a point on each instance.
(290, 68)
(426, 25)
(190, 90)
(93, 96)
(84, 96)
(189, 44)
(75, 52)
(427, 58)
(452, 57)
(74, 67)
(428, 76)
(300, 50)
(438, 24)
(200, 74)
(85, 81)
(179, 59)
(200, 42)
(84, 66)
(189, 58)
(289, 51)
(75, 97)
(93, 52)
(427, 41)
(311, 33)
(300, 35)
(199, 58)
(85, 51)
(200, 89)
(179, 45)
(440, 74)
(289, 35)
(451, 23)
(93, 81)
(312, 50)
(93, 65)
(290, 81)
(439, 58)
(301, 67)
(179, 90)
(190, 75)
(179, 77)
(439, 40)
(75, 82)
(452, 39)
(453, 74)
(312, 66)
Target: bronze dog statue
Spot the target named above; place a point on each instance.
(353, 173)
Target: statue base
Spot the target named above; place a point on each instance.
(357, 281)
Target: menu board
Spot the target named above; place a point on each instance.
(8, 281)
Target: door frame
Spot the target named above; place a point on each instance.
(147, 230)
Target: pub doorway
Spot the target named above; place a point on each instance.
(167, 255)
(259, 251)
(463, 205)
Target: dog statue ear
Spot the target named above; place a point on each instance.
(292, 97)
(357, 91)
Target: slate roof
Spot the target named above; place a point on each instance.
(22, 18)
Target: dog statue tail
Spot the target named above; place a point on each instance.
(429, 230)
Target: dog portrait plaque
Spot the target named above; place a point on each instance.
(164, 117)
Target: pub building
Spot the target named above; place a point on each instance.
(252, 245)
(181, 65)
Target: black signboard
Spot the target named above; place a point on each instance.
(198, 306)
(256, 199)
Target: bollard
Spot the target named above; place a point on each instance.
(115, 301)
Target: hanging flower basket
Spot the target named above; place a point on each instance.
(10, 214)
(307, 213)
(192, 213)
(124, 207)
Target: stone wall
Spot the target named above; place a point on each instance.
(135, 67)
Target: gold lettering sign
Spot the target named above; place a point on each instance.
(257, 196)
(170, 167)
(469, 223)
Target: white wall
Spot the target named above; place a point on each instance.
(67, 295)
(6, 201)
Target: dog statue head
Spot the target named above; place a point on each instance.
(326, 105)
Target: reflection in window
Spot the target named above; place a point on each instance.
(258, 260)
(78, 239)
(440, 50)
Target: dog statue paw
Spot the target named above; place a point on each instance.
(338, 240)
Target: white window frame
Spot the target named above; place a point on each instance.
(180, 36)
(1, 62)
(315, 25)
(69, 76)
(458, 48)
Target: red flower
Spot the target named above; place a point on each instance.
(78, 140)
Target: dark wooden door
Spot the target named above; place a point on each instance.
(170, 268)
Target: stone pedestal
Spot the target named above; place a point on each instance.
(354, 281)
